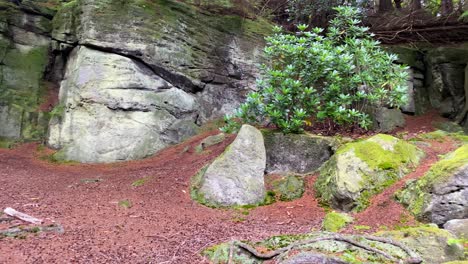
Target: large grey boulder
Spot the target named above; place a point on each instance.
(296, 153)
(442, 193)
(361, 169)
(236, 177)
(117, 109)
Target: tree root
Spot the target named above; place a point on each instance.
(414, 258)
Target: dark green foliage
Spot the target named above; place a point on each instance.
(335, 76)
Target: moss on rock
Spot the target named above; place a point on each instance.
(334, 221)
(417, 194)
(362, 169)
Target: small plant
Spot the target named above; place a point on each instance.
(57, 111)
(333, 77)
(140, 182)
(125, 204)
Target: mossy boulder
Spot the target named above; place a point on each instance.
(288, 188)
(361, 169)
(297, 153)
(334, 221)
(236, 177)
(442, 193)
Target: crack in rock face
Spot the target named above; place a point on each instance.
(116, 109)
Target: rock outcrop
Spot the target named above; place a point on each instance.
(141, 74)
(362, 169)
(424, 244)
(24, 50)
(117, 109)
(236, 177)
(296, 153)
(442, 193)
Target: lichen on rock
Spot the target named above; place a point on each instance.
(359, 170)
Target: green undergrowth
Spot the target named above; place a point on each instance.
(7, 143)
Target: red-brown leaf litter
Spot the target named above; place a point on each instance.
(162, 225)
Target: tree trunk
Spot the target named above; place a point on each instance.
(385, 6)
(446, 7)
(416, 4)
(398, 3)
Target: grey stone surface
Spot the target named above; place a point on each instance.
(442, 193)
(386, 120)
(296, 153)
(237, 176)
(458, 227)
(117, 109)
(24, 41)
(450, 198)
(310, 257)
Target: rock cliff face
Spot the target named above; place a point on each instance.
(134, 76)
(140, 75)
(24, 48)
(438, 79)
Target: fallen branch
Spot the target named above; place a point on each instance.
(17, 231)
(414, 259)
(12, 212)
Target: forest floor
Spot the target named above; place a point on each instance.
(141, 211)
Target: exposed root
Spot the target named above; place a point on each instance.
(414, 259)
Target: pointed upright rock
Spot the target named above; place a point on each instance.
(236, 177)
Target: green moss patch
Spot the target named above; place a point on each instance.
(334, 221)
(360, 170)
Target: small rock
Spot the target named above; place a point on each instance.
(387, 120)
(289, 188)
(210, 141)
(458, 227)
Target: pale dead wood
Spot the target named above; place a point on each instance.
(13, 213)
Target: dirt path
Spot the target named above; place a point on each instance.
(162, 226)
